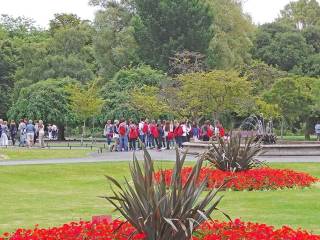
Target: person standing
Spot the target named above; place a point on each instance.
(206, 131)
(50, 132)
(115, 146)
(30, 130)
(13, 132)
(143, 132)
(36, 132)
(123, 136)
(54, 132)
(41, 133)
(317, 130)
(184, 137)
(108, 132)
(133, 135)
(195, 132)
(4, 133)
(22, 132)
(178, 132)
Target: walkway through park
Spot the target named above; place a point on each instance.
(127, 156)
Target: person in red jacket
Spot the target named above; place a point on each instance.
(133, 135)
(221, 130)
(178, 132)
(155, 134)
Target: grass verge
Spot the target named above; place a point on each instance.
(50, 195)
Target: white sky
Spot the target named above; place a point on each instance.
(43, 10)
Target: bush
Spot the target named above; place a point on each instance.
(162, 211)
(234, 155)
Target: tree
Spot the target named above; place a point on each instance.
(232, 41)
(147, 101)
(186, 62)
(166, 26)
(203, 94)
(114, 43)
(68, 53)
(297, 99)
(19, 26)
(309, 67)
(301, 14)
(45, 100)
(85, 102)
(280, 45)
(261, 75)
(63, 21)
(118, 92)
(312, 36)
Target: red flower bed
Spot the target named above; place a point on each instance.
(255, 179)
(105, 230)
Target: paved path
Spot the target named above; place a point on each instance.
(127, 156)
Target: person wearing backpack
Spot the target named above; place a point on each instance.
(123, 136)
(178, 132)
(155, 134)
(133, 135)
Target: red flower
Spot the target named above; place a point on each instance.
(255, 179)
(118, 230)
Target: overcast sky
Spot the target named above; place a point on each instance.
(42, 10)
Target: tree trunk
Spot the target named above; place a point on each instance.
(282, 126)
(308, 129)
(61, 136)
(83, 131)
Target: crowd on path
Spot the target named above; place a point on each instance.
(160, 135)
(27, 132)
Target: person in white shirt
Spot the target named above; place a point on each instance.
(185, 131)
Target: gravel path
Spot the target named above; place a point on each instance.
(127, 156)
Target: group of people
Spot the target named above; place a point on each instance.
(161, 134)
(27, 132)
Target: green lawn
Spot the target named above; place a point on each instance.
(51, 195)
(28, 154)
(297, 138)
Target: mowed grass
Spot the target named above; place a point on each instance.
(36, 153)
(50, 195)
(298, 138)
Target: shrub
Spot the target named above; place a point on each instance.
(234, 155)
(162, 211)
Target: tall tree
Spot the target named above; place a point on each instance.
(164, 27)
(280, 45)
(114, 43)
(231, 44)
(301, 14)
(63, 21)
(68, 53)
(45, 100)
(203, 94)
(297, 98)
(85, 102)
(118, 91)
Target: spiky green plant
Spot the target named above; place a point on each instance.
(235, 155)
(159, 211)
